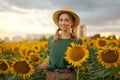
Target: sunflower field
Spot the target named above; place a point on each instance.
(95, 59)
(19, 59)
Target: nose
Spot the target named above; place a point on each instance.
(63, 22)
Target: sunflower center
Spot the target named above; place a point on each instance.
(21, 67)
(91, 44)
(36, 47)
(110, 56)
(34, 58)
(3, 66)
(77, 53)
(16, 49)
(102, 43)
(30, 51)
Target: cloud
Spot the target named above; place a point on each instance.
(29, 22)
(97, 15)
(28, 4)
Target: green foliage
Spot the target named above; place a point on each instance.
(96, 36)
(64, 79)
(95, 71)
(39, 75)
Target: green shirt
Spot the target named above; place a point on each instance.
(56, 51)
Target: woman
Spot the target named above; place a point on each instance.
(67, 21)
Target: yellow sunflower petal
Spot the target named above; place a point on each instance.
(109, 57)
(4, 66)
(22, 68)
(76, 55)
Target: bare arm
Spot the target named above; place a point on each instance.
(44, 65)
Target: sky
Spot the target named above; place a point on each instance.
(21, 17)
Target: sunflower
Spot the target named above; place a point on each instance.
(109, 57)
(22, 51)
(44, 45)
(35, 58)
(114, 42)
(4, 66)
(1, 48)
(6, 46)
(101, 43)
(85, 40)
(76, 54)
(29, 51)
(15, 47)
(22, 68)
(36, 47)
(91, 43)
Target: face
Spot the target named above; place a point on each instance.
(65, 22)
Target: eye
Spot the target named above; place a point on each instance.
(67, 20)
(60, 19)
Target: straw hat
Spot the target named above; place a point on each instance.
(68, 10)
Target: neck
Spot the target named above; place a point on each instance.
(65, 35)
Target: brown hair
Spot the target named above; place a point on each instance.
(74, 32)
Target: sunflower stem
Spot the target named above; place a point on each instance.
(78, 70)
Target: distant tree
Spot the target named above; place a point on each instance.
(43, 38)
(95, 36)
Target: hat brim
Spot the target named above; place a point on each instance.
(57, 13)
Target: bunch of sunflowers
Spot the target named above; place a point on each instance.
(19, 59)
(95, 59)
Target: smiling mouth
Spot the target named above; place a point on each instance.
(63, 26)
